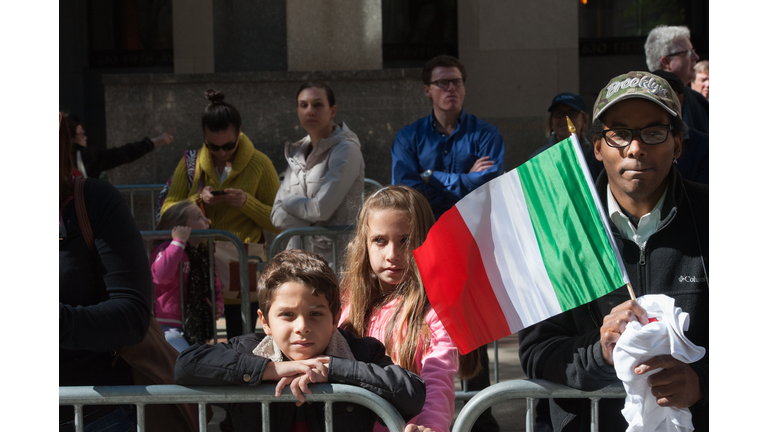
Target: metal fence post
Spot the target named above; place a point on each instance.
(264, 394)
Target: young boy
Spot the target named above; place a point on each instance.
(300, 303)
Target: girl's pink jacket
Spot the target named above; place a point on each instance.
(437, 367)
(165, 275)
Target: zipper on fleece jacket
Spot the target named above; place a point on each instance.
(642, 268)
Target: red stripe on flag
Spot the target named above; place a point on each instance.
(467, 308)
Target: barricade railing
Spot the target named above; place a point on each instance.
(245, 293)
(531, 390)
(371, 183)
(278, 244)
(465, 394)
(154, 189)
(202, 396)
(132, 189)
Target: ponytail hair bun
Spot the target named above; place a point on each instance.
(220, 115)
(216, 97)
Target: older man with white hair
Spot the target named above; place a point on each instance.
(669, 48)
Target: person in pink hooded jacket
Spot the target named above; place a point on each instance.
(384, 299)
(182, 218)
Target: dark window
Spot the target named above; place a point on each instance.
(414, 31)
(620, 27)
(130, 33)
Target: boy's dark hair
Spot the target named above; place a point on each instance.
(442, 61)
(328, 92)
(307, 268)
(219, 115)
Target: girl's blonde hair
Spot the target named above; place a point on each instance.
(408, 333)
(176, 215)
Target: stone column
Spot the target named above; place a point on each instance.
(519, 55)
(334, 34)
(192, 36)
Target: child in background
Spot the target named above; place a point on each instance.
(384, 298)
(182, 218)
(299, 305)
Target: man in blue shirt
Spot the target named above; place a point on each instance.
(445, 156)
(449, 153)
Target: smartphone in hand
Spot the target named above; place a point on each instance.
(217, 193)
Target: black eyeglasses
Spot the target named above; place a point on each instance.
(444, 83)
(226, 147)
(650, 135)
(690, 52)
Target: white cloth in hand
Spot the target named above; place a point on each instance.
(639, 343)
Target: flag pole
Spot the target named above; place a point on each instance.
(572, 130)
(631, 291)
(571, 127)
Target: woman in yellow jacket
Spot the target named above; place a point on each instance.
(239, 184)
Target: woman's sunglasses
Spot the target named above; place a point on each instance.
(226, 147)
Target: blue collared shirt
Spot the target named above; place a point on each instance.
(420, 146)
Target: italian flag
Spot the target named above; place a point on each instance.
(521, 248)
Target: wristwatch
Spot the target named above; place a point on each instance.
(426, 175)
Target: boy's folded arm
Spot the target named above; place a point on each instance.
(406, 391)
(221, 364)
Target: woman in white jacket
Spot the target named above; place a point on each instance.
(323, 183)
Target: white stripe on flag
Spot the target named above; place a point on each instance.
(520, 278)
(596, 198)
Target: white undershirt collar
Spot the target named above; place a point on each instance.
(647, 225)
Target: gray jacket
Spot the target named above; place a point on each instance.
(323, 189)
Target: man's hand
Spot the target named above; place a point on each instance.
(164, 138)
(235, 197)
(676, 385)
(482, 164)
(615, 323)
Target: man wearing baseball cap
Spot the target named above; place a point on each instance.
(572, 106)
(661, 223)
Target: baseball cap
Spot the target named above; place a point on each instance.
(571, 99)
(637, 84)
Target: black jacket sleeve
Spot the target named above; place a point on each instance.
(557, 350)
(406, 391)
(120, 269)
(96, 161)
(221, 364)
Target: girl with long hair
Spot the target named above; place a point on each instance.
(384, 298)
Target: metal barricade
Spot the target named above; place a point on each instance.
(202, 396)
(153, 189)
(278, 244)
(132, 189)
(372, 184)
(464, 394)
(530, 390)
(245, 293)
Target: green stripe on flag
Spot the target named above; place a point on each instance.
(574, 245)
